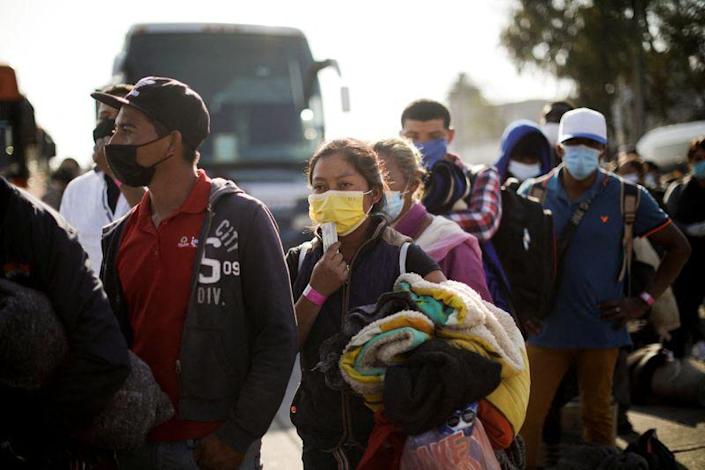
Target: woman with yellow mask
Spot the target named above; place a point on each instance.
(347, 183)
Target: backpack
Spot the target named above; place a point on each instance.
(521, 256)
(657, 455)
(635, 274)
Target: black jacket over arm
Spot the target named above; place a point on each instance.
(46, 247)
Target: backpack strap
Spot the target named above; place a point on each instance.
(629, 205)
(539, 189)
(472, 173)
(403, 252)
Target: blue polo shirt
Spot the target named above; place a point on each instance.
(593, 262)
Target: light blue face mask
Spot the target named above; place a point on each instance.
(580, 160)
(395, 204)
(699, 170)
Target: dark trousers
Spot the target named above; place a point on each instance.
(689, 296)
(341, 458)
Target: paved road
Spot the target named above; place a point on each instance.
(281, 446)
(681, 429)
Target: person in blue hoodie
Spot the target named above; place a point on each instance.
(524, 152)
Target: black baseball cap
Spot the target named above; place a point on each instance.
(171, 103)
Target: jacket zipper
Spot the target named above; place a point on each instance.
(345, 399)
(194, 283)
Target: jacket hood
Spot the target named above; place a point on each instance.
(221, 187)
(511, 137)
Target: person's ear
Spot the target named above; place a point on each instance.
(175, 143)
(560, 151)
(413, 187)
(376, 195)
(451, 135)
(603, 152)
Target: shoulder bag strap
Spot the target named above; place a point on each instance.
(630, 205)
(403, 252)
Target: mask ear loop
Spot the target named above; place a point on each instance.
(372, 205)
(153, 165)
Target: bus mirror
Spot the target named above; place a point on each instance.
(345, 98)
(312, 75)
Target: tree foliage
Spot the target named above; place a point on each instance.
(650, 48)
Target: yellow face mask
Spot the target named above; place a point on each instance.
(345, 208)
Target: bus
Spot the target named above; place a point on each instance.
(261, 87)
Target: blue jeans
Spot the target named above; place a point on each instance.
(177, 455)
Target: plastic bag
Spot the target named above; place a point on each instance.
(461, 444)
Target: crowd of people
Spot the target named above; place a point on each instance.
(417, 313)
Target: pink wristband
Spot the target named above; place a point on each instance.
(647, 298)
(314, 296)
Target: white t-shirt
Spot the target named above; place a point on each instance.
(85, 206)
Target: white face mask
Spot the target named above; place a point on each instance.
(524, 171)
(632, 178)
(550, 130)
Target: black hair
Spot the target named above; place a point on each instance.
(553, 112)
(189, 154)
(426, 110)
(362, 157)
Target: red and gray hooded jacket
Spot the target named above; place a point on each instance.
(239, 339)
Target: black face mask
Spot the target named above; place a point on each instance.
(123, 161)
(104, 128)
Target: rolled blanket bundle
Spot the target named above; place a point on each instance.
(478, 338)
(466, 321)
(33, 345)
(355, 320)
(32, 340)
(134, 410)
(378, 346)
(460, 313)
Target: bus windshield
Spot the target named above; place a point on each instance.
(253, 85)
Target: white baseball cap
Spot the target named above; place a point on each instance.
(583, 122)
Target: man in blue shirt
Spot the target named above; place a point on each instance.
(587, 324)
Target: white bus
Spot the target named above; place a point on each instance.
(261, 87)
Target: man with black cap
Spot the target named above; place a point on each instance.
(197, 278)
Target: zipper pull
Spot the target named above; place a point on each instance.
(178, 367)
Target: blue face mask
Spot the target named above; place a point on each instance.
(395, 204)
(432, 151)
(699, 170)
(580, 160)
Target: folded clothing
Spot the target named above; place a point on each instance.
(353, 322)
(436, 380)
(466, 321)
(454, 314)
(379, 345)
